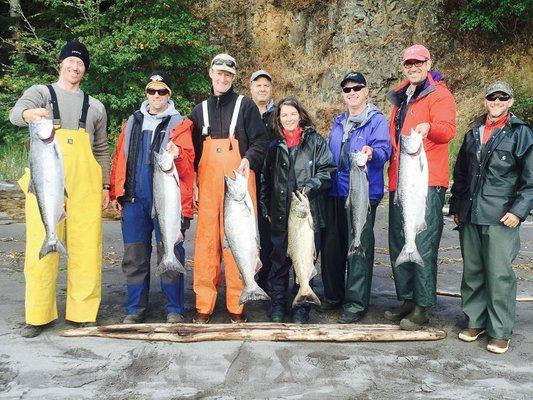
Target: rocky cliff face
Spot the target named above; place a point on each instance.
(307, 45)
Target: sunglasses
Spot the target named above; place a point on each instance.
(352, 88)
(221, 61)
(160, 92)
(410, 64)
(501, 97)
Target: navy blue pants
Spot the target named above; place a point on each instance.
(137, 228)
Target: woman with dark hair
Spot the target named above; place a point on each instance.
(297, 160)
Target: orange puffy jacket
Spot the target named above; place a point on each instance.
(435, 105)
(181, 135)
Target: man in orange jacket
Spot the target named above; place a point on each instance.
(157, 125)
(422, 103)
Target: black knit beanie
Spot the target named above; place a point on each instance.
(75, 49)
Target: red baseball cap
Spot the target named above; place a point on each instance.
(416, 52)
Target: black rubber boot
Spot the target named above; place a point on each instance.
(31, 331)
(399, 313)
(415, 319)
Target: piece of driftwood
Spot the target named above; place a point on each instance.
(186, 333)
(455, 294)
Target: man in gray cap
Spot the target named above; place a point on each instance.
(261, 93)
(491, 194)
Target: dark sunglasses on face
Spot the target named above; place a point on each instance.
(354, 88)
(501, 97)
(410, 64)
(160, 92)
(221, 61)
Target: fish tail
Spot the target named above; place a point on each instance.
(305, 295)
(252, 294)
(52, 245)
(169, 265)
(413, 257)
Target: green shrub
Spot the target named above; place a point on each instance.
(126, 40)
(493, 16)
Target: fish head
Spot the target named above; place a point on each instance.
(164, 161)
(300, 205)
(358, 158)
(236, 188)
(411, 144)
(42, 129)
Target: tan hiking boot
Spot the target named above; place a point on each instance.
(498, 346)
(471, 334)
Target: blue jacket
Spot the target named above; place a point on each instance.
(373, 132)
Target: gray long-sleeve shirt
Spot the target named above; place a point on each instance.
(70, 105)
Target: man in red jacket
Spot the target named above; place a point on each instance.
(156, 126)
(422, 103)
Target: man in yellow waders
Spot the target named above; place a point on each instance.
(80, 123)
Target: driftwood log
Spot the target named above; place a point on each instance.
(186, 333)
(455, 294)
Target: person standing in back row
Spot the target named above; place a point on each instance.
(261, 92)
(424, 104)
(80, 123)
(228, 135)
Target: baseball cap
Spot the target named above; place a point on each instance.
(416, 52)
(499, 86)
(260, 73)
(352, 76)
(224, 62)
(158, 79)
(75, 49)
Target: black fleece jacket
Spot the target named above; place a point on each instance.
(250, 130)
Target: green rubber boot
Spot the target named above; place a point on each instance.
(399, 313)
(415, 320)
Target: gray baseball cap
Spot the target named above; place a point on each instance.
(260, 73)
(499, 86)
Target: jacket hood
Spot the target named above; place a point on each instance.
(371, 111)
(171, 110)
(434, 79)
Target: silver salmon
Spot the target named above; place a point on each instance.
(358, 201)
(167, 209)
(240, 229)
(47, 182)
(411, 194)
(301, 248)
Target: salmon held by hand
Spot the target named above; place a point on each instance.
(358, 201)
(167, 209)
(240, 229)
(301, 248)
(411, 194)
(47, 181)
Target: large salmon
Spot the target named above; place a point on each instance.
(411, 194)
(240, 229)
(301, 248)
(47, 181)
(358, 201)
(167, 209)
